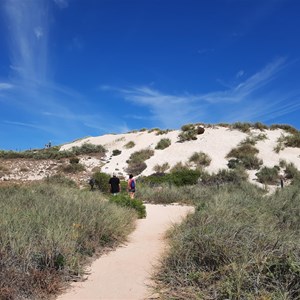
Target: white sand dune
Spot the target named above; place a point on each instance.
(216, 142)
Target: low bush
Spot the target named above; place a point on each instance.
(188, 133)
(246, 154)
(136, 162)
(59, 179)
(101, 181)
(72, 168)
(293, 140)
(161, 132)
(200, 159)
(129, 145)
(244, 127)
(161, 168)
(224, 176)
(260, 126)
(74, 160)
(291, 172)
(136, 168)
(287, 128)
(116, 152)
(177, 178)
(125, 201)
(268, 175)
(163, 144)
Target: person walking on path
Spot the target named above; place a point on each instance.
(131, 186)
(115, 186)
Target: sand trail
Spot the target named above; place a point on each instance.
(124, 274)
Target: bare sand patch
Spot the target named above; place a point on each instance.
(124, 274)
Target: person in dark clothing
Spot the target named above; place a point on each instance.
(92, 183)
(115, 186)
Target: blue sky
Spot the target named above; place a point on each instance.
(76, 68)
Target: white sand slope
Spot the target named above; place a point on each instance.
(215, 142)
(124, 274)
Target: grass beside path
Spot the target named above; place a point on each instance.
(46, 233)
(239, 244)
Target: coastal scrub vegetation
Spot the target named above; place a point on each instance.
(47, 231)
(136, 162)
(245, 155)
(54, 152)
(163, 144)
(129, 145)
(200, 159)
(239, 244)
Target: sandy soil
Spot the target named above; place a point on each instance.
(125, 273)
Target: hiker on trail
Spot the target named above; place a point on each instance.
(115, 186)
(281, 180)
(92, 183)
(131, 186)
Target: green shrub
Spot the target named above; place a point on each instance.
(161, 168)
(188, 133)
(246, 154)
(116, 152)
(260, 126)
(268, 175)
(293, 140)
(177, 178)
(140, 156)
(88, 148)
(126, 201)
(136, 168)
(163, 144)
(59, 179)
(161, 132)
(287, 128)
(201, 159)
(73, 168)
(244, 127)
(129, 145)
(291, 172)
(179, 167)
(74, 160)
(102, 180)
(234, 163)
(223, 176)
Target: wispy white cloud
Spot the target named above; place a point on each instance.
(28, 23)
(244, 101)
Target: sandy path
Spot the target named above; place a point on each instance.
(124, 274)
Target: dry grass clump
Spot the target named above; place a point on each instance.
(47, 231)
(238, 244)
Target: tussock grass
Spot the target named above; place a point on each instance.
(163, 144)
(46, 233)
(238, 244)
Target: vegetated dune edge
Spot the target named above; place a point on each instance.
(125, 273)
